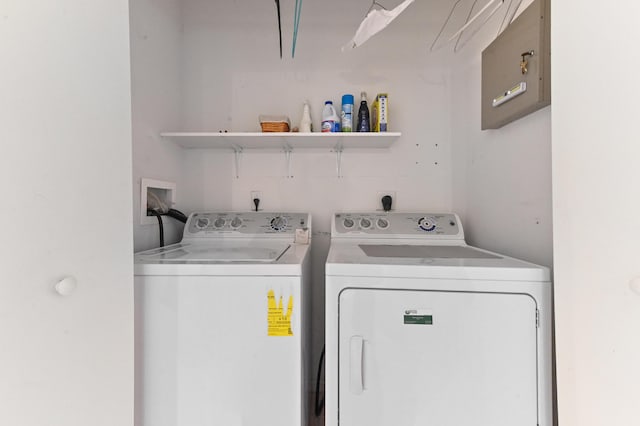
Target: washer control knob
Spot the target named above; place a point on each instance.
(236, 222)
(365, 223)
(219, 222)
(202, 222)
(348, 223)
(426, 224)
(382, 223)
(278, 223)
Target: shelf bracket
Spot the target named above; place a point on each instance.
(339, 161)
(237, 152)
(287, 155)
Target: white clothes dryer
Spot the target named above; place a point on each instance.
(222, 323)
(422, 329)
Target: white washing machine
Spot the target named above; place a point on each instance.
(422, 329)
(222, 323)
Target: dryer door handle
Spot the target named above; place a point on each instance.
(356, 353)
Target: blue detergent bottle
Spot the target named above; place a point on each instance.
(347, 113)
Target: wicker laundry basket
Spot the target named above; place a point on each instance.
(274, 123)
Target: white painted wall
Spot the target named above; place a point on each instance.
(156, 68)
(501, 178)
(230, 72)
(66, 211)
(596, 196)
(233, 73)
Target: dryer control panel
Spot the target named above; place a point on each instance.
(245, 224)
(397, 225)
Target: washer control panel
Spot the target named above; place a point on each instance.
(383, 225)
(244, 223)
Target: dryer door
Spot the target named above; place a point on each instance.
(437, 358)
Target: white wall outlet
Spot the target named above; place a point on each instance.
(381, 194)
(154, 193)
(254, 195)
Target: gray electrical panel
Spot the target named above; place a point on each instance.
(516, 68)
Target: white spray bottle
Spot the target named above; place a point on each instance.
(305, 123)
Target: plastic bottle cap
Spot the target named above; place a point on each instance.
(347, 99)
(328, 102)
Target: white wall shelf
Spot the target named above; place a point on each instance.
(286, 142)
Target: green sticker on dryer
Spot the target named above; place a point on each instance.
(418, 317)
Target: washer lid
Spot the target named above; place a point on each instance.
(221, 252)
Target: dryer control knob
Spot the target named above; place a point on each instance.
(365, 223)
(348, 223)
(236, 222)
(219, 222)
(278, 223)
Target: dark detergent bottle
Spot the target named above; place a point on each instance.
(363, 114)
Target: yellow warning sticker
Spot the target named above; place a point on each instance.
(279, 321)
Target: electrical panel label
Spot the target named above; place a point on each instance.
(279, 321)
(418, 316)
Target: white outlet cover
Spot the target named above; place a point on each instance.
(253, 195)
(380, 194)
